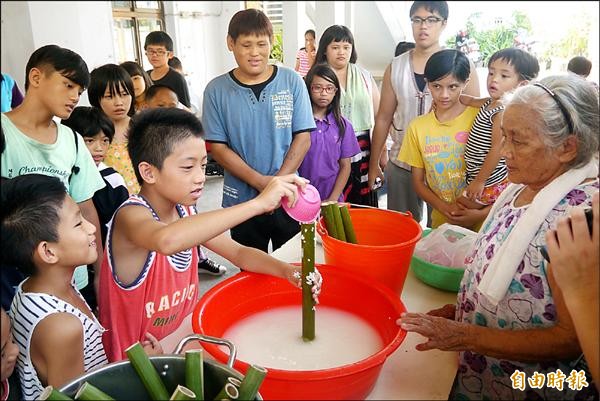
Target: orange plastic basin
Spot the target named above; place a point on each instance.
(386, 241)
(246, 294)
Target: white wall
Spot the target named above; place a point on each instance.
(82, 26)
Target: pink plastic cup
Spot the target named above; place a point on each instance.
(307, 206)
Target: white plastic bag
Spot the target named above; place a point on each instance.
(447, 245)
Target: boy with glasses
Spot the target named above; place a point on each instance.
(159, 49)
(404, 96)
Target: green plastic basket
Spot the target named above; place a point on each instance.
(438, 276)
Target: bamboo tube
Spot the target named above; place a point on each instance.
(348, 226)
(252, 381)
(229, 392)
(327, 213)
(194, 372)
(182, 393)
(146, 371)
(308, 271)
(339, 225)
(51, 394)
(88, 392)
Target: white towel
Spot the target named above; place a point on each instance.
(502, 268)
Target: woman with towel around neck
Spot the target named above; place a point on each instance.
(510, 316)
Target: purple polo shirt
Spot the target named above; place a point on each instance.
(321, 163)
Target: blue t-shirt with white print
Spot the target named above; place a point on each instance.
(259, 130)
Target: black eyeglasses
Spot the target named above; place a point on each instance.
(561, 106)
(429, 21)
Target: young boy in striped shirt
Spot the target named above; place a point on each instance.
(486, 172)
(46, 236)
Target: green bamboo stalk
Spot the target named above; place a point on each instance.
(228, 392)
(88, 392)
(194, 372)
(348, 226)
(252, 381)
(182, 393)
(146, 371)
(327, 213)
(339, 225)
(51, 394)
(308, 267)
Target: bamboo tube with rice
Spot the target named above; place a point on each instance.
(182, 393)
(89, 392)
(251, 382)
(347, 222)
(194, 372)
(327, 213)
(51, 394)
(308, 272)
(146, 371)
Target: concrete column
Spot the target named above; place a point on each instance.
(292, 32)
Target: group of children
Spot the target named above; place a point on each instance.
(135, 222)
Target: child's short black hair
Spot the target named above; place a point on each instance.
(159, 38)
(29, 213)
(64, 61)
(311, 32)
(524, 63)
(114, 76)
(250, 22)
(154, 132)
(335, 33)
(134, 69)
(89, 122)
(445, 62)
(432, 6)
(580, 65)
(154, 89)
(174, 62)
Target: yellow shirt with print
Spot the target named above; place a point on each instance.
(439, 148)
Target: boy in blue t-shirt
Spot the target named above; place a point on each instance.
(258, 118)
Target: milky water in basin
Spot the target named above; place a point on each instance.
(273, 339)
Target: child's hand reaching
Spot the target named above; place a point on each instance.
(279, 187)
(152, 345)
(295, 277)
(474, 190)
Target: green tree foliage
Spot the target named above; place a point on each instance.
(277, 49)
(498, 36)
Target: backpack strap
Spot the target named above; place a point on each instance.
(75, 169)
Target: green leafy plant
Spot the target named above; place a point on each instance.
(277, 49)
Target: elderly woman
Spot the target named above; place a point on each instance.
(359, 103)
(510, 322)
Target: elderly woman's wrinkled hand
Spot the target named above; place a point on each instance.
(442, 333)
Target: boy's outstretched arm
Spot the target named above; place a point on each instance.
(137, 226)
(252, 259)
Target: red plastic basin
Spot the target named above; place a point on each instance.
(246, 294)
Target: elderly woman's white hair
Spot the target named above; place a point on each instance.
(579, 100)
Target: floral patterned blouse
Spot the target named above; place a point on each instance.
(527, 304)
(117, 157)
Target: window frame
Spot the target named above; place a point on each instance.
(135, 14)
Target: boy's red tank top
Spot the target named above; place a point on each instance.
(157, 301)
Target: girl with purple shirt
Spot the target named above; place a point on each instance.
(333, 142)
